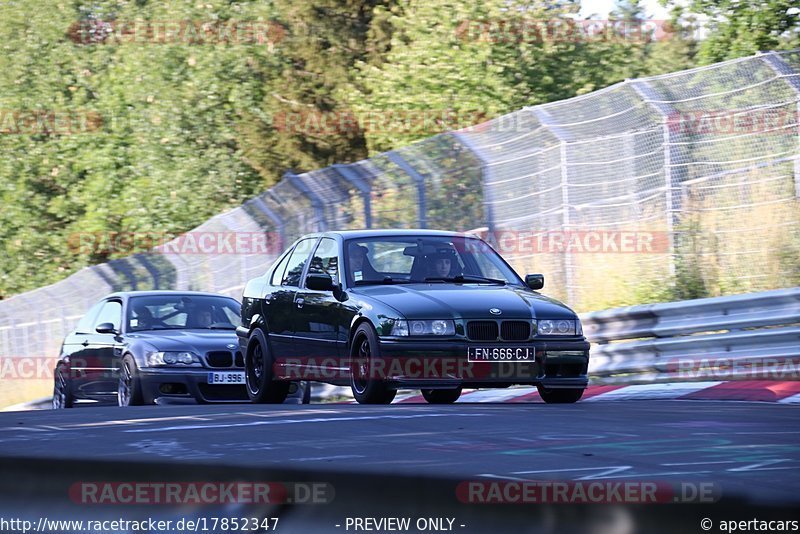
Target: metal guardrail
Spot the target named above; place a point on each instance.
(755, 335)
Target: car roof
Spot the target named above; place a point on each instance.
(363, 234)
(154, 293)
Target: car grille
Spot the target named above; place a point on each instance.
(482, 330)
(239, 359)
(515, 330)
(219, 359)
(507, 330)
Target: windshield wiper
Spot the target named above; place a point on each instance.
(469, 278)
(224, 327)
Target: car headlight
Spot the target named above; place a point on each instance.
(436, 327)
(154, 359)
(559, 327)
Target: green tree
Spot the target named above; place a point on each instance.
(735, 29)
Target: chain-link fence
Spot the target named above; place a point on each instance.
(690, 178)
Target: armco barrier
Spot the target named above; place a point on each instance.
(749, 336)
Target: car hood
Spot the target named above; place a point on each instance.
(466, 301)
(196, 340)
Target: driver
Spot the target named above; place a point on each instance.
(202, 318)
(144, 318)
(360, 268)
(440, 265)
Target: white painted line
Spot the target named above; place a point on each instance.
(300, 421)
(794, 399)
(324, 458)
(702, 463)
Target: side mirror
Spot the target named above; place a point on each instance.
(106, 328)
(534, 281)
(319, 282)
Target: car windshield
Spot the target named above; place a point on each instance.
(173, 312)
(415, 259)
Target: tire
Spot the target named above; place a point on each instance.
(62, 394)
(441, 396)
(129, 386)
(367, 389)
(258, 373)
(560, 396)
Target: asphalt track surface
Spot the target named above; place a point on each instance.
(749, 449)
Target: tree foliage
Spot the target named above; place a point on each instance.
(167, 133)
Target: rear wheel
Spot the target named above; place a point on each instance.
(367, 388)
(62, 396)
(258, 373)
(129, 388)
(560, 396)
(441, 396)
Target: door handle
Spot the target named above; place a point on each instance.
(85, 343)
(300, 302)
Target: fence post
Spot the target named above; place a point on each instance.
(316, 201)
(363, 187)
(280, 225)
(488, 200)
(564, 138)
(398, 160)
(673, 178)
(783, 69)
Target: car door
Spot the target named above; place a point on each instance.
(278, 301)
(317, 315)
(101, 357)
(74, 346)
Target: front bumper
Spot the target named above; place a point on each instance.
(188, 383)
(443, 364)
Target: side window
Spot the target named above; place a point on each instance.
(84, 326)
(111, 312)
(297, 262)
(277, 274)
(326, 259)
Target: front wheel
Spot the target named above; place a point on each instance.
(441, 396)
(62, 396)
(258, 373)
(560, 396)
(129, 387)
(367, 388)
